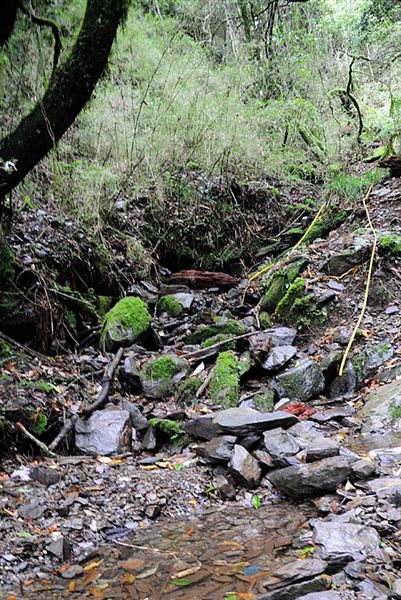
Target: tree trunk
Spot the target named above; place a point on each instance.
(8, 14)
(69, 90)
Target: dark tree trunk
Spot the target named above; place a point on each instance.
(69, 90)
(7, 20)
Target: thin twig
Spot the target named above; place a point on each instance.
(35, 440)
(43, 22)
(202, 351)
(204, 384)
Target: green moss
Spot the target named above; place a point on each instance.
(221, 326)
(103, 305)
(5, 349)
(125, 323)
(39, 386)
(39, 424)
(170, 305)
(220, 337)
(172, 428)
(224, 384)
(163, 367)
(188, 388)
(202, 334)
(229, 326)
(265, 320)
(295, 291)
(391, 245)
(395, 411)
(295, 268)
(7, 261)
(264, 401)
(323, 227)
(275, 290)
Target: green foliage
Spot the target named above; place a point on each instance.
(265, 320)
(350, 187)
(264, 401)
(162, 367)
(275, 289)
(170, 305)
(6, 350)
(224, 384)
(39, 424)
(172, 428)
(221, 326)
(395, 411)
(188, 388)
(131, 315)
(220, 337)
(390, 245)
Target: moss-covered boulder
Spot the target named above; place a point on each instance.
(390, 245)
(221, 326)
(124, 324)
(277, 285)
(160, 376)
(172, 429)
(224, 384)
(171, 306)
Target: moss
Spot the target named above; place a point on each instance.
(391, 245)
(103, 305)
(264, 401)
(170, 305)
(172, 428)
(125, 323)
(229, 326)
(395, 411)
(39, 425)
(202, 334)
(222, 325)
(188, 388)
(39, 386)
(220, 337)
(265, 320)
(5, 349)
(275, 290)
(295, 291)
(295, 268)
(163, 367)
(224, 384)
(323, 227)
(7, 261)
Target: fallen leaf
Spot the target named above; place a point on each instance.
(128, 579)
(106, 460)
(182, 582)
(93, 565)
(132, 564)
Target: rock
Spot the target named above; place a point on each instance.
(330, 364)
(396, 590)
(139, 422)
(328, 595)
(259, 346)
(105, 432)
(202, 428)
(321, 448)
(379, 412)
(45, 476)
(367, 362)
(362, 469)
(244, 363)
(161, 374)
(295, 590)
(125, 323)
(264, 458)
(357, 251)
(278, 357)
(282, 336)
(149, 439)
(218, 449)
(385, 486)
(72, 572)
(333, 414)
(303, 381)
(280, 445)
(244, 468)
(184, 299)
(152, 511)
(60, 547)
(34, 510)
(338, 543)
(246, 420)
(300, 569)
(342, 335)
(312, 479)
(346, 384)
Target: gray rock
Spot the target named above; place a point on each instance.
(280, 445)
(342, 335)
(396, 590)
(312, 479)
(105, 432)
(357, 251)
(218, 449)
(369, 360)
(34, 510)
(264, 458)
(244, 468)
(328, 595)
(184, 299)
(139, 422)
(345, 384)
(160, 387)
(300, 569)
(246, 420)
(202, 428)
(46, 476)
(330, 364)
(149, 439)
(59, 547)
(379, 410)
(338, 543)
(278, 357)
(295, 590)
(385, 486)
(244, 363)
(333, 414)
(302, 382)
(362, 469)
(321, 448)
(282, 336)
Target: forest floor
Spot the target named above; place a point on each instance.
(215, 512)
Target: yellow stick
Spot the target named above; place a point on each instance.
(368, 281)
(299, 242)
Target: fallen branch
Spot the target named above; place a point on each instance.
(45, 449)
(23, 347)
(90, 408)
(202, 351)
(204, 385)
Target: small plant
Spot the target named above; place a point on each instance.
(395, 411)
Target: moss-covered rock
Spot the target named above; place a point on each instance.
(390, 245)
(171, 428)
(265, 320)
(221, 326)
(188, 388)
(224, 384)
(162, 367)
(170, 305)
(264, 400)
(125, 323)
(275, 290)
(219, 337)
(158, 376)
(294, 292)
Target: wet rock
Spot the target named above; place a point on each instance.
(300, 569)
(202, 428)
(280, 445)
(45, 476)
(218, 449)
(357, 251)
(246, 420)
(139, 422)
(379, 412)
(295, 590)
(105, 432)
(362, 469)
(312, 479)
(302, 382)
(321, 448)
(278, 357)
(339, 543)
(244, 468)
(333, 414)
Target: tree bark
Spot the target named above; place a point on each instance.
(69, 89)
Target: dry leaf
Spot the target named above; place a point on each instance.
(93, 565)
(132, 564)
(128, 578)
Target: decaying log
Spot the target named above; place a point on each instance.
(204, 278)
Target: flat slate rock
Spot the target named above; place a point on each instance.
(295, 590)
(244, 420)
(300, 569)
(106, 431)
(333, 414)
(338, 543)
(280, 444)
(244, 468)
(218, 449)
(312, 479)
(202, 428)
(278, 357)
(328, 595)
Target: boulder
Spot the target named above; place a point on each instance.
(241, 421)
(312, 479)
(382, 410)
(202, 428)
(124, 324)
(339, 543)
(184, 299)
(367, 362)
(218, 449)
(302, 382)
(300, 569)
(278, 357)
(244, 468)
(280, 445)
(297, 589)
(356, 250)
(161, 374)
(105, 432)
(346, 384)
